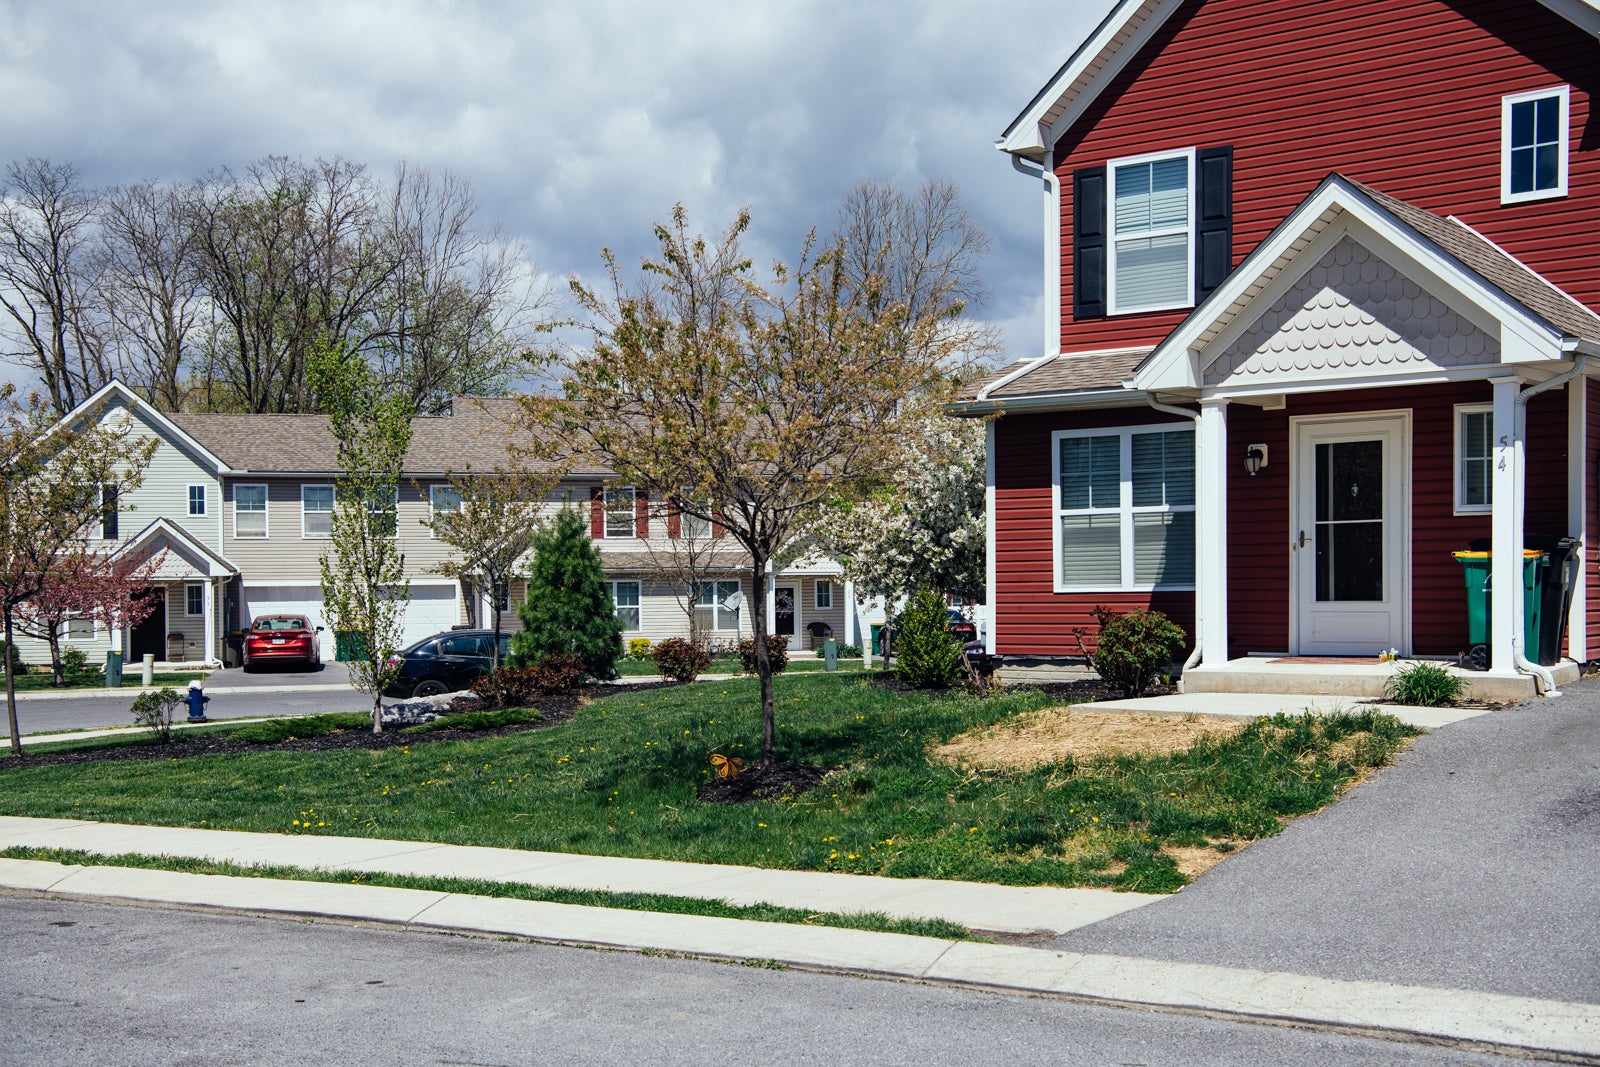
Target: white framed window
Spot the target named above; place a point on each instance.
(109, 512)
(625, 595)
(78, 628)
(1533, 144)
(824, 595)
(1151, 232)
(693, 526)
(249, 511)
(711, 610)
(197, 500)
(316, 511)
(621, 511)
(194, 599)
(1474, 456)
(500, 596)
(384, 508)
(442, 500)
(1124, 504)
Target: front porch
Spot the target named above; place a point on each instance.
(1360, 678)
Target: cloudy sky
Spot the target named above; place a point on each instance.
(579, 123)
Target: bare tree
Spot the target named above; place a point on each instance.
(152, 282)
(47, 279)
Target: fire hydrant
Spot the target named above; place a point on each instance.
(197, 702)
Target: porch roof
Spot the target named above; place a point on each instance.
(182, 556)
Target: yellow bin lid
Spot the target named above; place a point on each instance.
(1527, 553)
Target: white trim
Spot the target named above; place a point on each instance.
(1125, 509)
(1397, 535)
(266, 511)
(716, 604)
(205, 499)
(990, 585)
(218, 566)
(605, 513)
(194, 614)
(1577, 512)
(1506, 529)
(333, 500)
(1456, 459)
(1211, 462)
(1563, 96)
(1188, 230)
(145, 411)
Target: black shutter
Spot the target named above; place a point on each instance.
(1213, 243)
(1089, 243)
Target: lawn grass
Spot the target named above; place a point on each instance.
(798, 662)
(34, 682)
(621, 779)
(591, 898)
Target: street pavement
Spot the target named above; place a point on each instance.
(91, 984)
(1470, 863)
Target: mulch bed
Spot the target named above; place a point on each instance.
(183, 745)
(1081, 689)
(768, 782)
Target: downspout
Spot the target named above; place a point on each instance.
(1194, 657)
(1052, 251)
(1524, 664)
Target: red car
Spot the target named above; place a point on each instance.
(289, 638)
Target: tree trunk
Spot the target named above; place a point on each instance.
(377, 713)
(494, 612)
(58, 673)
(758, 626)
(11, 687)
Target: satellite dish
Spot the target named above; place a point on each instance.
(732, 601)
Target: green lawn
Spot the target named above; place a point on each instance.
(621, 778)
(798, 662)
(40, 682)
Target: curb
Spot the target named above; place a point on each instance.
(1458, 1018)
(132, 691)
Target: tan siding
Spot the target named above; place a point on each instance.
(164, 492)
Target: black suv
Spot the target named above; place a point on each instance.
(445, 663)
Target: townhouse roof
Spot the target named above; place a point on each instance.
(479, 434)
(1061, 373)
(716, 562)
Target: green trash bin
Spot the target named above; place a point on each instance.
(349, 645)
(1476, 565)
(113, 670)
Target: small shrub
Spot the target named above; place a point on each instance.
(153, 711)
(927, 654)
(680, 659)
(557, 672)
(300, 727)
(1134, 649)
(17, 666)
(508, 687)
(74, 661)
(638, 648)
(845, 652)
(1424, 685)
(777, 653)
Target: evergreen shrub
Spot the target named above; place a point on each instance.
(927, 655)
(568, 608)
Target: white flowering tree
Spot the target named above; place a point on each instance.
(924, 524)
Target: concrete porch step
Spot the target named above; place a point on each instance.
(1364, 678)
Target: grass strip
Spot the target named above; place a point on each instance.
(873, 921)
(41, 682)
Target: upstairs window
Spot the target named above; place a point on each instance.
(197, 500)
(621, 512)
(316, 511)
(249, 511)
(1533, 145)
(1151, 213)
(108, 513)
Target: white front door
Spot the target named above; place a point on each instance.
(1351, 535)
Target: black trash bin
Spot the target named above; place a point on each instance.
(1556, 587)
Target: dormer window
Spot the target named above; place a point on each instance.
(1151, 226)
(1533, 145)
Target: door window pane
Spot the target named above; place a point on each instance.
(1349, 527)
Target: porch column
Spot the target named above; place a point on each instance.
(1211, 532)
(852, 625)
(991, 594)
(772, 605)
(1577, 514)
(1505, 569)
(208, 598)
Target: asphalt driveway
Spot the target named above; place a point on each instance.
(273, 674)
(1473, 862)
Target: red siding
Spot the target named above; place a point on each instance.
(1032, 619)
(1401, 94)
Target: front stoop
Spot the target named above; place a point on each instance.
(1358, 678)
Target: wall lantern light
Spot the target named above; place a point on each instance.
(1255, 457)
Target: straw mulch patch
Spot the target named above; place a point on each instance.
(1049, 734)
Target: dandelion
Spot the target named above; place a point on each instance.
(762, 825)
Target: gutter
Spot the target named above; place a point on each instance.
(1523, 663)
(1194, 657)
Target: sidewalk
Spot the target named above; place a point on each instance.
(1484, 1021)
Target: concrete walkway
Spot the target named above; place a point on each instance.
(1256, 705)
(1469, 1019)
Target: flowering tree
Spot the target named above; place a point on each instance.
(705, 384)
(924, 525)
(85, 584)
(54, 488)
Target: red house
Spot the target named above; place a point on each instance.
(1325, 278)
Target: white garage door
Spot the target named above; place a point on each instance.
(432, 609)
